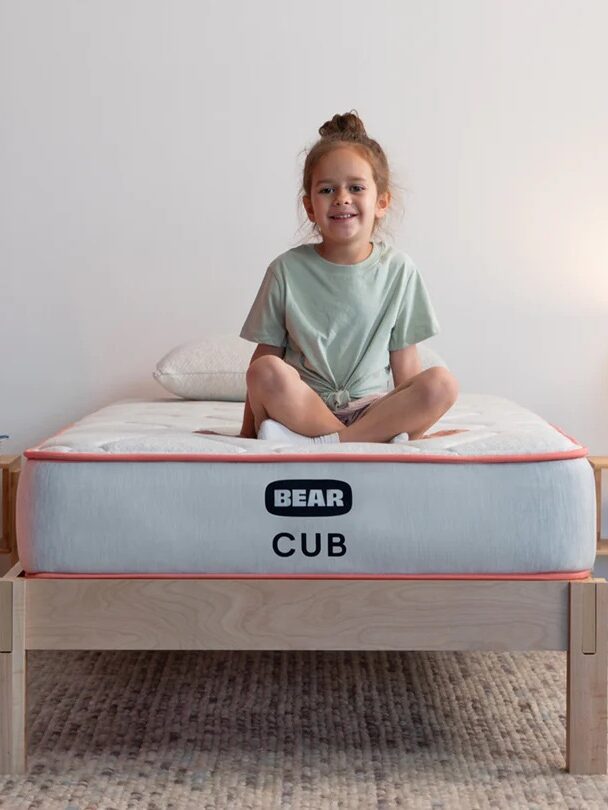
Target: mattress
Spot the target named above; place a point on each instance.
(133, 490)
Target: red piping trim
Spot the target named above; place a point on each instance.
(42, 455)
(526, 576)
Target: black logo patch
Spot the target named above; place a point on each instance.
(308, 497)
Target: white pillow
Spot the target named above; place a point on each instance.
(214, 368)
(209, 368)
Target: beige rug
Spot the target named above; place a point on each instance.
(339, 730)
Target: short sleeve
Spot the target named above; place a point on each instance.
(416, 319)
(265, 322)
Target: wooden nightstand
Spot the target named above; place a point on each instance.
(9, 469)
(599, 463)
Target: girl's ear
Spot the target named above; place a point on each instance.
(383, 202)
(307, 205)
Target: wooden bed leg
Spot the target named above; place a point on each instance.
(9, 478)
(12, 676)
(587, 672)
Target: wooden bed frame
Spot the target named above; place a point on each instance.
(282, 614)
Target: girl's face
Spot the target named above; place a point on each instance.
(342, 183)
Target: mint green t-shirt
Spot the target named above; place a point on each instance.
(339, 322)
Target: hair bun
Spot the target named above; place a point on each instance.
(347, 127)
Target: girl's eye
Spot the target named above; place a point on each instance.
(328, 188)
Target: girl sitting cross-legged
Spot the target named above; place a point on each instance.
(334, 319)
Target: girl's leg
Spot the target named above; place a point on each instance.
(276, 391)
(410, 408)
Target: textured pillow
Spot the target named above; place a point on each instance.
(215, 367)
(209, 368)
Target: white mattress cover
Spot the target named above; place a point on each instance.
(494, 427)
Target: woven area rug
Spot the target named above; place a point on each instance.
(341, 730)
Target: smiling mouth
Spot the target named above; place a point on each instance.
(343, 216)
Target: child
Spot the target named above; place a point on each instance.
(335, 318)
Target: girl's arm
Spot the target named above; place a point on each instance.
(248, 428)
(405, 364)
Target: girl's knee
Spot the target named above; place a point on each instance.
(269, 370)
(441, 386)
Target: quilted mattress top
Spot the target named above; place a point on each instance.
(491, 429)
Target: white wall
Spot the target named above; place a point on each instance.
(151, 155)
